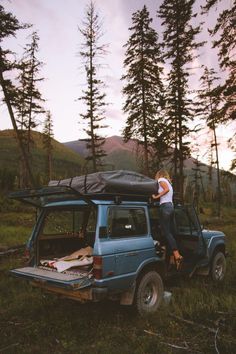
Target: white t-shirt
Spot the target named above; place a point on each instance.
(168, 197)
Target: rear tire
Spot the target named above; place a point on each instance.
(149, 293)
(218, 267)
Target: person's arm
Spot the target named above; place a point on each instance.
(165, 188)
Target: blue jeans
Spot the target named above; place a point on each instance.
(167, 225)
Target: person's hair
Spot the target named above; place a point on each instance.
(163, 173)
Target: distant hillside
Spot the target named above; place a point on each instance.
(66, 162)
(120, 155)
(113, 143)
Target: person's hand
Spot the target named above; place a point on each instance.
(155, 196)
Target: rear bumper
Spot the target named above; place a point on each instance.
(65, 285)
(82, 295)
(99, 294)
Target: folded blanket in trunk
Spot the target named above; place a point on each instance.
(61, 266)
(78, 258)
(87, 251)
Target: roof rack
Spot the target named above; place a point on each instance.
(119, 197)
(41, 197)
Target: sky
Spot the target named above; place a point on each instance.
(57, 22)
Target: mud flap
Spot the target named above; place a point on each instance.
(127, 297)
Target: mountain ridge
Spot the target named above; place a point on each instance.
(115, 143)
(121, 155)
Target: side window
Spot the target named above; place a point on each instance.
(126, 222)
(195, 225)
(182, 221)
(186, 220)
(154, 216)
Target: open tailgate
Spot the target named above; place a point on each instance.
(40, 197)
(53, 278)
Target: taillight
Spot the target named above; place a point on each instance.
(97, 267)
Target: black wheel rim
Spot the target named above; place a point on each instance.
(219, 269)
(149, 297)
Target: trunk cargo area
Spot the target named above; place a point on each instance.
(61, 250)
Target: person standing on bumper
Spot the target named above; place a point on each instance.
(165, 194)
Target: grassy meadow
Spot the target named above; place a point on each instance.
(201, 317)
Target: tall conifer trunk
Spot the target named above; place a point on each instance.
(91, 102)
(93, 97)
(208, 109)
(145, 134)
(218, 173)
(11, 114)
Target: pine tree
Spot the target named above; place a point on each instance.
(20, 100)
(93, 97)
(179, 41)
(232, 144)
(224, 34)
(208, 109)
(9, 25)
(210, 156)
(28, 100)
(47, 143)
(144, 88)
(227, 193)
(30, 105)
(225, 31)
(160, 151)
(197, 182)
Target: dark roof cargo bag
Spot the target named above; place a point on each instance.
(116, 182)
(119, 182)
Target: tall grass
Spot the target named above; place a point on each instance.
(15, 228)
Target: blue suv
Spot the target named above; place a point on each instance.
(123, 255)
